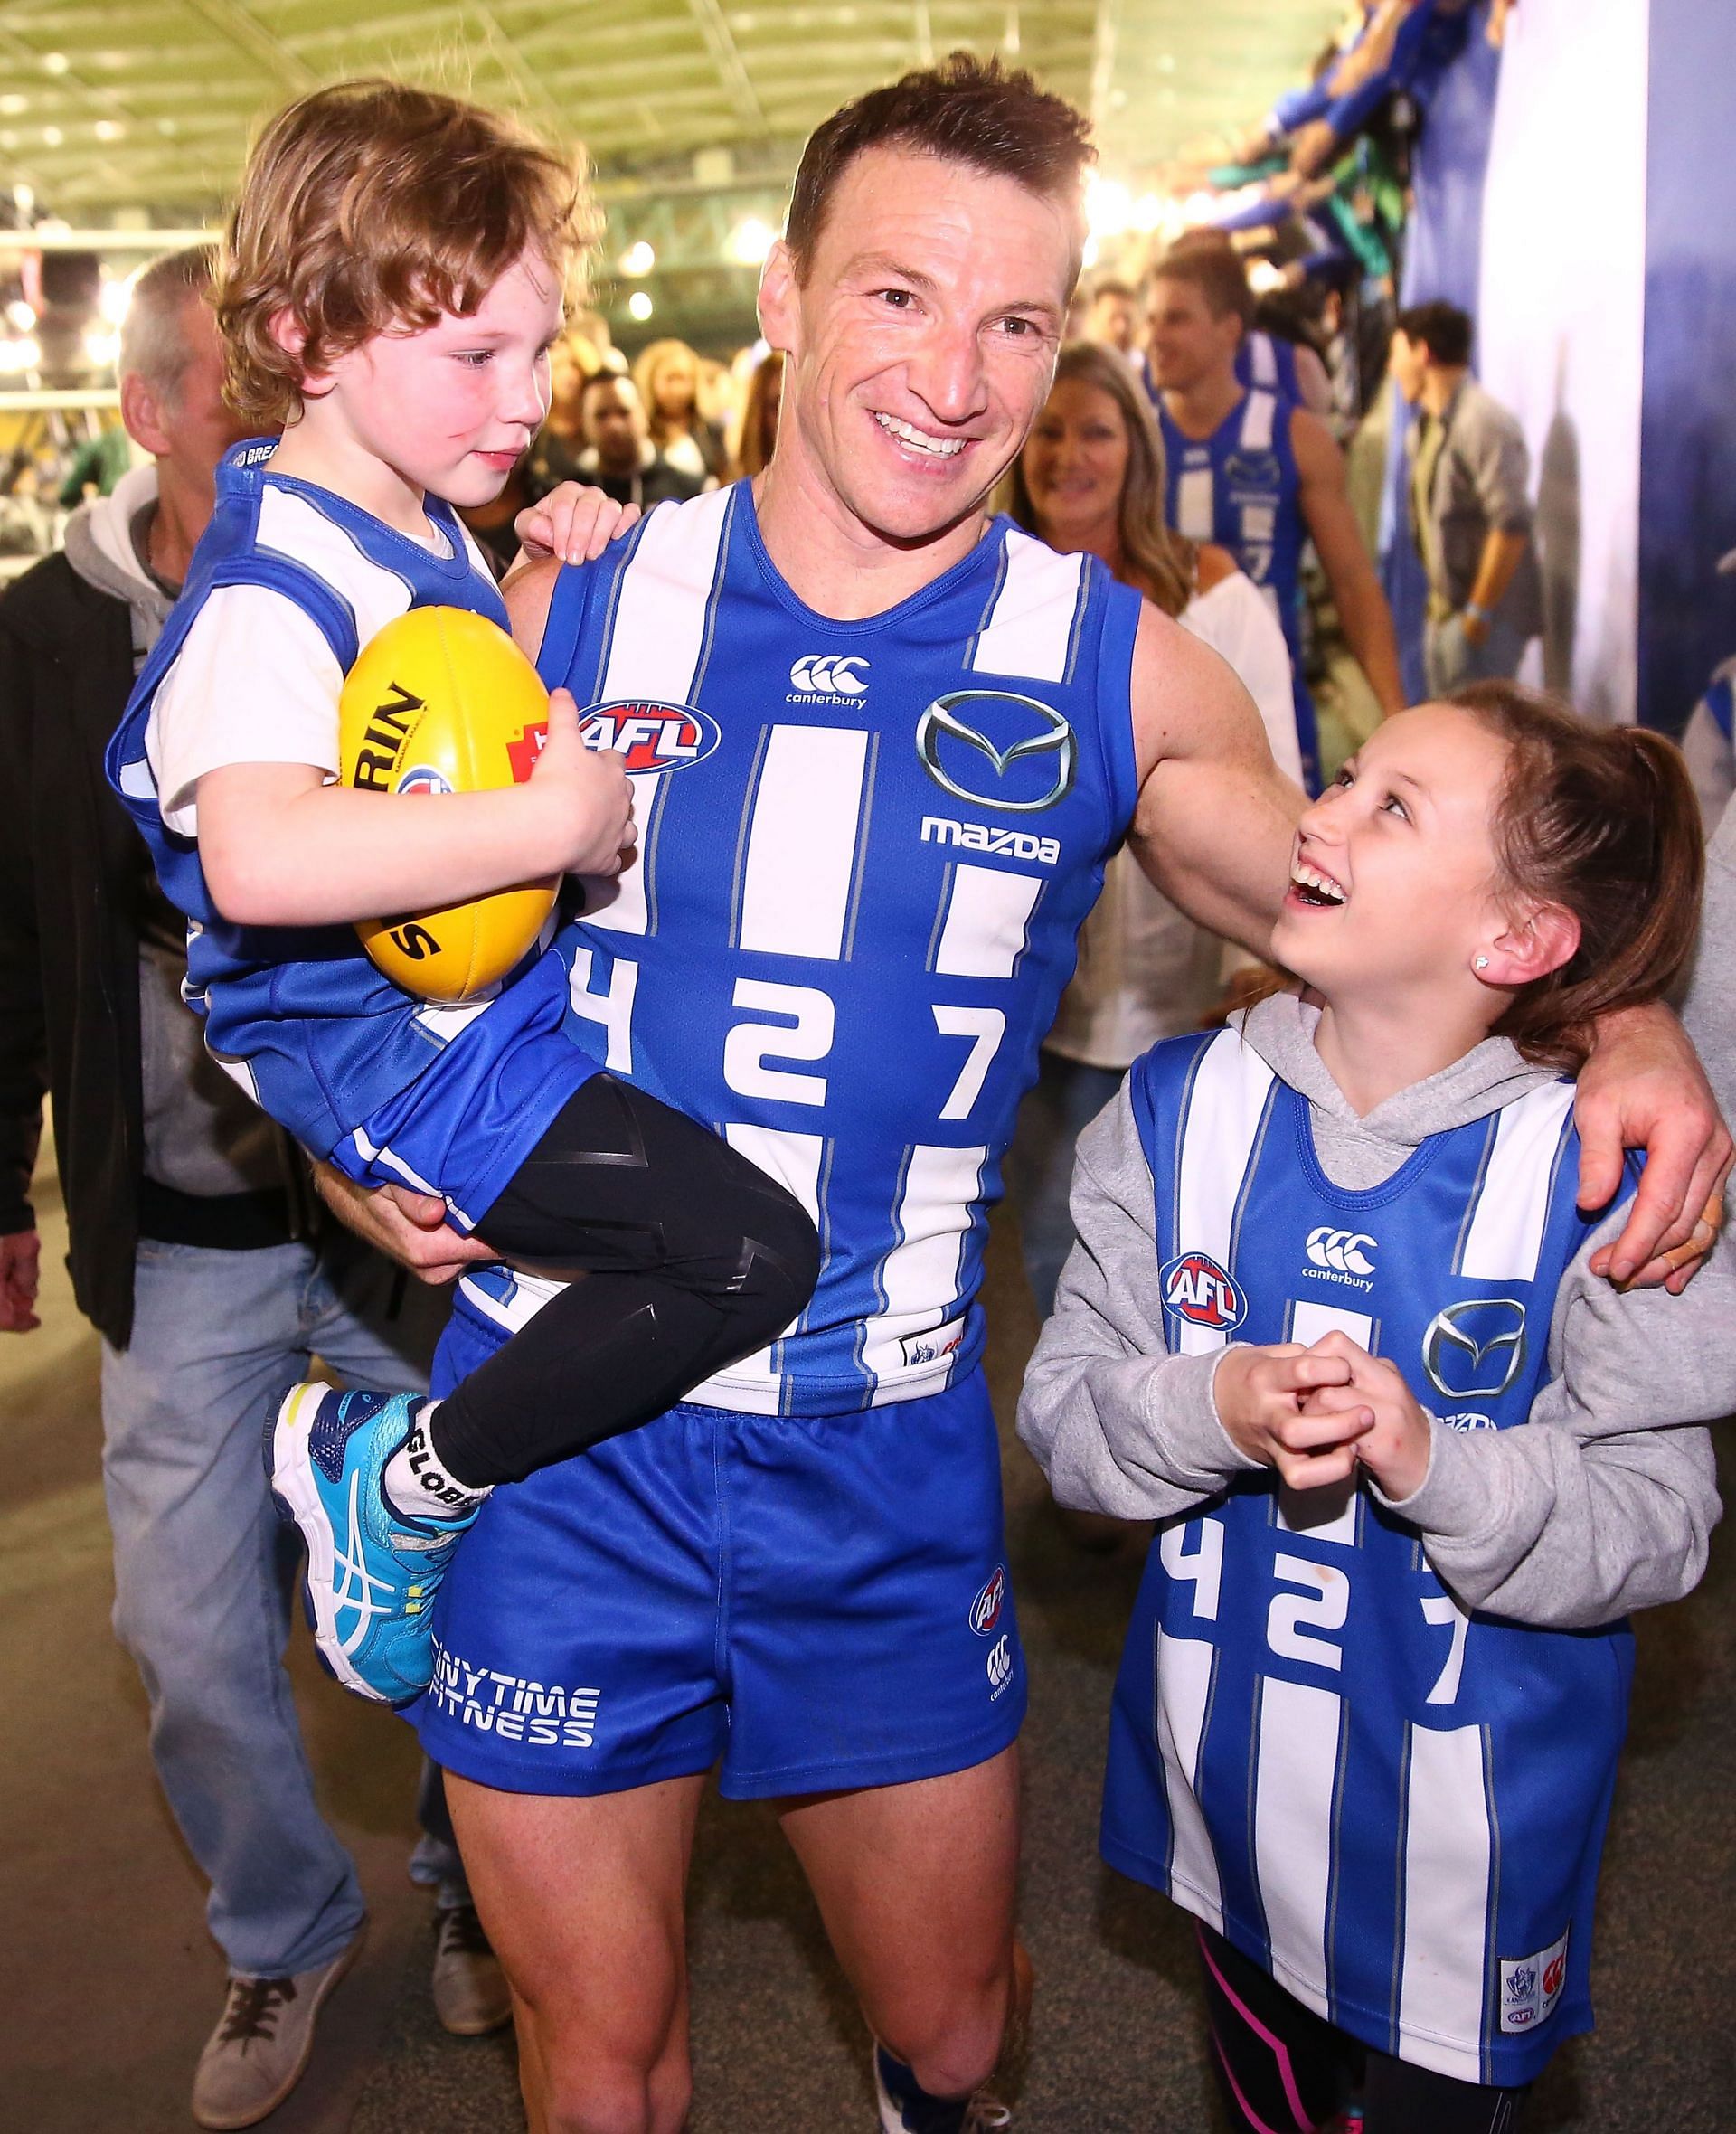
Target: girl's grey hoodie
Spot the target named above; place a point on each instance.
(1602, 1502)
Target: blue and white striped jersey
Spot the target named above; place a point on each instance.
(1239, 488)
(1267, 363)
(1397, 1808)
(391, 1089)
(866, 852)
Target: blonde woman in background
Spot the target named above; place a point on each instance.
(1091, 480)
(668, 376)
(757, 431)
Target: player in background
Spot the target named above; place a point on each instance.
(1332, 1320)
(1258, 475)
(845, 935)
(393, 279)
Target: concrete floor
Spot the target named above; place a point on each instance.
(109, 1985)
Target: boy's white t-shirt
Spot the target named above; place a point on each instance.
(255, 681)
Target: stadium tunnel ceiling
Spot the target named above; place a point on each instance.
(693, 111)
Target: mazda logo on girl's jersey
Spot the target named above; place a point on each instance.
(999, 750)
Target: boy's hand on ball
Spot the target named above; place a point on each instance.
(572, 521)
(1390, 1433)
(586, 798)
(1264, 1400)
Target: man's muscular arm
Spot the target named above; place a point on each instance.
(527, 593)
(1215, 823)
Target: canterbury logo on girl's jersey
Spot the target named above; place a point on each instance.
(826, 674)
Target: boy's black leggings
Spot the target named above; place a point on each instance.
(1283, 2067)
(682, 1255)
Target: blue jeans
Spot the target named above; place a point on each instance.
(1066, 1097)
(203, 1570)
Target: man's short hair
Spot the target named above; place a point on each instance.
(593, 379)
(1120, 291)
(371, 205)
(1442, 328)
(155, 345)
(1216, 270)
(965, 110)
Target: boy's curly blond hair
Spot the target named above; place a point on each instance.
(371, 206)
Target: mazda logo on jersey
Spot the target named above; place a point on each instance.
(1258, 471)
(997, 750)
(1196, 1288)
(650, 736)
(1477, 1349)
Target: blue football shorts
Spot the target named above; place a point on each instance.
(809, 1603)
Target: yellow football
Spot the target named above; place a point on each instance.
(442, 701)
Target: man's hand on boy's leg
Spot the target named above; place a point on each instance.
(408, 1227)
(572, 521)
(1643, 1087)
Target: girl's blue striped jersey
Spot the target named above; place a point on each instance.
(1395, 1807)
(1239, 488)
(866, 852)
(393, 1089)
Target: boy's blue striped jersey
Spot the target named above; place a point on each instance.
(1239, 488)
(1396, 1807)
(866, 852)
(394, 1090)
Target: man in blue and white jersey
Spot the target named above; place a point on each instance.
(1258, 475)
(883, 746)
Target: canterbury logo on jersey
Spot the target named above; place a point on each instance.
(650, 736)
(1341, 1252)
(826, 674)
(1018, 845)
(999, 750)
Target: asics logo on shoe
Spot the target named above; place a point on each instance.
(827, 674)
(354, 1585)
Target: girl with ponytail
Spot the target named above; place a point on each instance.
(1332, 1322)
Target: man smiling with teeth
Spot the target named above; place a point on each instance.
(835, 1648)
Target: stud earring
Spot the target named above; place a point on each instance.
(1480, 963)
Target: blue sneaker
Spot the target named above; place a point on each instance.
(371, 1572)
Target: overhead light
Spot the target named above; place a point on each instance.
(102, 346)
(1088, 257)
(12, 104)
(1264, 277)
(750, 241)
(637, 260)
(109, 130)
(18, 356)
(638, 306)
(115, 298)
(55, 62)
(52, 136)
(20, 315)
(1108, 207)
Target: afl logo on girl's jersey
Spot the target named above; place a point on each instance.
(1196, 1288)
(650, 736)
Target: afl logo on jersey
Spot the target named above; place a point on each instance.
(997, 750)
(1196, 1288)
(986, 1610)
(650, 736)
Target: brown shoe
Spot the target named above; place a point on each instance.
(471, 1996)
(261, 2045)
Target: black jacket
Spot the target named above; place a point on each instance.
(71, 885)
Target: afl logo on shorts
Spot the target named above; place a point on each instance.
(1196, 1288)
(650, 736)
(986, 1608)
